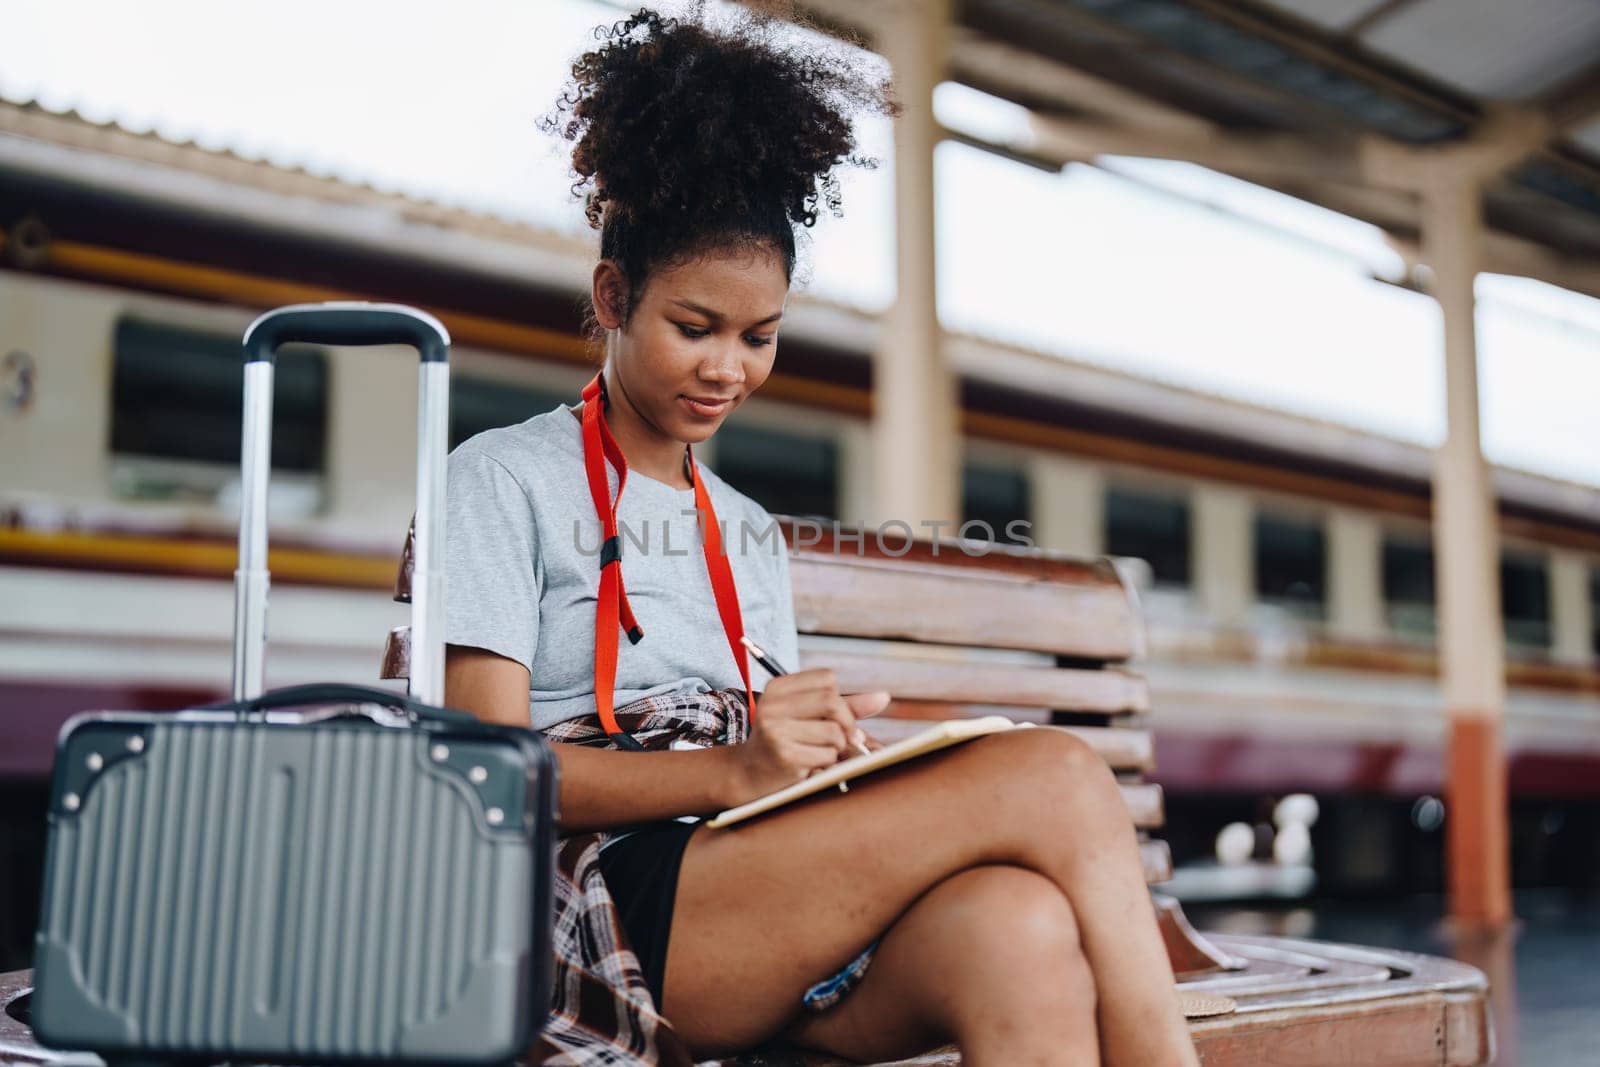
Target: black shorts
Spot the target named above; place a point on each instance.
(641, 872)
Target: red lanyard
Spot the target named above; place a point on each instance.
(611, 608)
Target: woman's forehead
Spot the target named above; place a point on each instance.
(741, 285)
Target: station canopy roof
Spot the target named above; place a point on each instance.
(1311, 97)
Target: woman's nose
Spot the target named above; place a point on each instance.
(723, 366)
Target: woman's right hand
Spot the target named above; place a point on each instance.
(802, 724)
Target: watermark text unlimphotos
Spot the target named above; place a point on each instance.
(892, 537)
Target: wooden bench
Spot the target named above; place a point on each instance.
(954, 631)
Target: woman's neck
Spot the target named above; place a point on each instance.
(647, 450)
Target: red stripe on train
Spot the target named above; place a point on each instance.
(1192, 762)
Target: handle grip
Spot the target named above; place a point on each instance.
(346, 323)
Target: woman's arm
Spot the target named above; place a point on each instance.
(600, 788)
(804, 725)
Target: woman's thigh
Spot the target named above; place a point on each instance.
(769, 907)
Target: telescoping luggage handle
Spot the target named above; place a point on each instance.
(344, 323)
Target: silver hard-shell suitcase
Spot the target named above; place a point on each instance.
(318, 873)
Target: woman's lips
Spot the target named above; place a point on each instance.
(705, 410)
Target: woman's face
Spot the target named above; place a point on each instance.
(702, 338)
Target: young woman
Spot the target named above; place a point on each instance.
(990, 895)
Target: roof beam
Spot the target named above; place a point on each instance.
(1262, 156)
(1505, 254)
(1368, 20)
(1363, 160)
(1508, 135)
(1019, 75)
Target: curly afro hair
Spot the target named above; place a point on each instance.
(696, 136)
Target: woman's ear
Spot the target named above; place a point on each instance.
(608, 293)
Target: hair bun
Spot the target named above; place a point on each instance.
(674, 120)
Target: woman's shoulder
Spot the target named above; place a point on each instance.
(527, 450)
(527, 468)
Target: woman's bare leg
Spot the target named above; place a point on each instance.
(768, 908)
(988, 958)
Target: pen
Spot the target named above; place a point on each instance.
(771, 666)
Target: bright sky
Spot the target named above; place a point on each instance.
(1159, 269)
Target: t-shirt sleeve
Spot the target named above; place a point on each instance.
(491, 571)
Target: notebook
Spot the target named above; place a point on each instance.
(935, 737)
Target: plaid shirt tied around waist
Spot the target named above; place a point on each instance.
(602, 1014)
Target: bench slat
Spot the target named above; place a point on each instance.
(962, 606)
(1145, 804)
(1156, 858)
(1111, 691)
(837, 541)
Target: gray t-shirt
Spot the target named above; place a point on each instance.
(522, 571)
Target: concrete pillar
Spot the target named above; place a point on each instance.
(915, 425)
(1471, 643)
(1571, 613)
(1069, 504)
(1223, 555)
(1355, 576)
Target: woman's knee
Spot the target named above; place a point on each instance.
(994, 945)
(1046, 774)
(1008, 942)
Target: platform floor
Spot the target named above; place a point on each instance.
(1546, 974)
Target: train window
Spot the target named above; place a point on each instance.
(1408, 589)
(1153, 526)
(1408, 586)
(177, 400)
(1291, 563)
(1525, 599)
(998, 496)
(479, 404)
(786, 473)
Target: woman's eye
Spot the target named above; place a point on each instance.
(696, 332)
